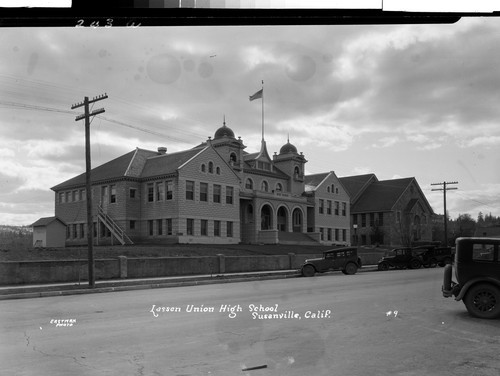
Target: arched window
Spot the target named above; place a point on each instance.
(211, 167)
(217, 170)
(232, 158)
(264, 186)
(203, 167)
(249, 184)
(296, 171)
(279, 187)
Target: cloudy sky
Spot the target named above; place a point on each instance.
(417, 101)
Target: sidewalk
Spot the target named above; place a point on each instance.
(58, 289)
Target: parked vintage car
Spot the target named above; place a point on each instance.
(477, 271)
(344, 259)
(401, 258)
(432, 255)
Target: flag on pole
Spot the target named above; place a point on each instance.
(257, 95)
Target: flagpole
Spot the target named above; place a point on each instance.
(262, 110)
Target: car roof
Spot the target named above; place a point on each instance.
(340, 249)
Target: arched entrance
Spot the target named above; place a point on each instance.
(282, 219)
(266, 222)
(297, 220)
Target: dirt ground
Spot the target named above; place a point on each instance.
(175, 250)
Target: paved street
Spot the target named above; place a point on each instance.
(377, 323)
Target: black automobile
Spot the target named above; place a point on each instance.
(344, 259)
(401, 258)
(432, 255)
(477, 271)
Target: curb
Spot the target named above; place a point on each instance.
(114, 286)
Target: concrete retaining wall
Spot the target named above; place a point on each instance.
(32, 272)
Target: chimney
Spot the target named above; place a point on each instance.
(162, 150)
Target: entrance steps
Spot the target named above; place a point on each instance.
(295, 238)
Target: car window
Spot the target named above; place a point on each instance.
(483, 252)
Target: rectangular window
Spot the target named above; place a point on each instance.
(380, 219)
(354, 219)
(321, 206)
(150, 228)
(73, 196)
(169, 226)
(132, 192)
(170, 190)
(82, 195)
(189, 190)
(189, 226)
(160, 190)
(328, 207)
(61, 198)
(344, 235)
(159, 226)
(67, 197)
(229, 195)
(336, 208)
(131, 225)
(68, 232)
(336, 234)
(372, 219)
(82, 230)
(203, 191)
(363, 220)
(398, 216)
(217, 193)
(75, 233)
(229, 229)
(483, 252)
(204, 227)
(329, 234)
(151, 192)
(344, 209)
(216, 228)
(322, 233)
(112, 196)
(104, 194)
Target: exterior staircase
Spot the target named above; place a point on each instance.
(115, 230)
(299, 238)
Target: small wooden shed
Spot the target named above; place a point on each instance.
(49, 232)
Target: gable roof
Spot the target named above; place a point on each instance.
(168, 163)
(315, 179)
(45, 221)
(355, 185)
(113, 169)
(381, 195)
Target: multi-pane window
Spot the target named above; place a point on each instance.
(211, 167)
(336, 234)
(73, 195)
(249, 184)
(217, 193)
(203, 191)
(321, 206)
(131, 225)
(132, 192)
(189, 226)
(344, 235)
(380, 219)
(329, 234)
(229, 195)
(216, 228)
(159, 226)
(189, 190)
(160, 191)
(170, 190)
(151, 192)
(354, 219)
(204, 227)
(82, 230)
(264, 186)
(112, 196)
(67, 197)
(75, 234)
(363, 220)
(169, 226)
(344, 209)
(372, 219)
(229, 229)
(151, 228)
(336, 208)
(328, 207)
(62, 198)
(322, 233)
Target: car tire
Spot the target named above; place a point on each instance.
(447, 261)
(483, 301)
(351, 268)
(308, 271)
(383, 266)
(415, 264)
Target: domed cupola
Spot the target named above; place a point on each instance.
(223, 132)
(288, 148)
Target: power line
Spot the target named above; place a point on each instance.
(444, 189)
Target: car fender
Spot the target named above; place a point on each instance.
(472, 282)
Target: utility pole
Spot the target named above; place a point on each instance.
(444, 189)
(90, 232)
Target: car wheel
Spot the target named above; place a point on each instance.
(351, 268)
(483, 301)
(308, 271)
(415, 264)
(447, 261)
(432, 263)
(383, 266)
